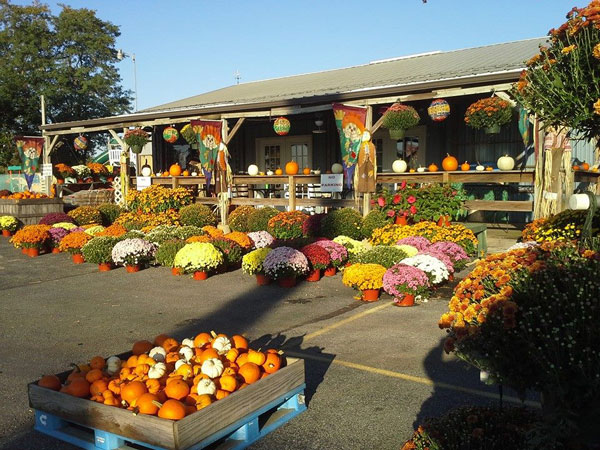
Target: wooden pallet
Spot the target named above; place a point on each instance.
(231, 423)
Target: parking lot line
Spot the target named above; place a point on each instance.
(345, 321)
(412, 378)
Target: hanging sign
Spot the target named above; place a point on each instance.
(30, 150)
(350, 122)
(170, 134)
(46, 170)
(80, 143)
(439, 110)
(208, 135)
(332, 182)
(281, 126)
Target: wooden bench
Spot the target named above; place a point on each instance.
(480, 232)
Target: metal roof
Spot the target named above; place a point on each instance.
(395, 76)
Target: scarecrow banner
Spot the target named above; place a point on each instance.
(367, 164)
(350, 121)
(30, 150)
(208, 134)
(524, 127)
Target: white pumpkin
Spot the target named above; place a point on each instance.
(158, 370)
(270, 172)
(206, 386)
(186, 352)
(187, 342)
(506, 163)
(158, 354)
(179, 363)
(421, 169)
(212, 367)
(222, 345)
(337, 168)
(399, 166)
(253, 170)
(194, 174)
(113, 365)
(480, 168)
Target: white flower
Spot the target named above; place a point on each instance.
(432, 266)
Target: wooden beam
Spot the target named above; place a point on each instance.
(299, 110)
(377, 125)
(52, 144)
(117, 138)
(234, 130)
(500, 205)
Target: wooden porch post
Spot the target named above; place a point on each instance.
(367, 195)
(292, 188)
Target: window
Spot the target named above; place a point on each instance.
(272, 157)
(378, 143)
(300, 155)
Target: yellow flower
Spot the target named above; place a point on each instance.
(597, 107)
(567, 50)
(596, 51)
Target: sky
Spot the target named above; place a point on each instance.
(185, 47)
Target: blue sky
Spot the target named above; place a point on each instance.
(185, 47)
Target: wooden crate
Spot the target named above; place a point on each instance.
(30, 210)
(197, 430)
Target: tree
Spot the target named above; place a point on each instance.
(70, 58)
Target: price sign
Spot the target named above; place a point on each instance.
(332, 182)
(143, 182)
(46, 170)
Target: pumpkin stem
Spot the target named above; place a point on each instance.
(75, 367)
(135, 411)
(157, 403)
(214, 335)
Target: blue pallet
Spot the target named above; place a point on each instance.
(237, 436)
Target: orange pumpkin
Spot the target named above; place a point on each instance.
(202, 401)
(232, 354)
(411, 170)
(172, 409)
(185, 173)
(433, 168)
(228, 383)
(489, 168)
(273, 363)
(141, 347)
(177, 389)
(278, 171)
(250, 372)
(175, 170)
(50, 382)
(306, 171)
(449, 163)
(132, 391)
(242, 359)
(465, 166)
(221, 394)
(132, 361)
(97, 362)
(166, 173)
(256, 357)
(170, 345)
(208, 353)
(201, 339)
(575, 168)
(79, 387)
(158, 340)
(585, 166)
(98, 387)
(146, 404)
(93, 375)
(239, 342)
(291, 168)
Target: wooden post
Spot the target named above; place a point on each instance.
(445, 177)
(174, 182)
(292, 188)
(229, 135)
(124, 169)
(366, 207)
(46, 181)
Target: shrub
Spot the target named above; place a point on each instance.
(188, 231)
(84, 215)
(109, 213)
(317, 256)
(238, 219)
(375, 219)
(99, 249)
(147, 221)
(242, 239)
(259, 219)
(157, 198)
(9, 223)
(252, 262)
(197, 215)
(364, 276)
(232, 251)
(165, 255)
(287, 225)
(312, 226)
(285, 262)
(73, 242)
(114, 230)
(52, 218)
(198, 256)
(337, 252)
(261, 239)
(345, 221)
(401, 279)
(133, 251)
(383, 255)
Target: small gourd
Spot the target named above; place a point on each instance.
(505, 163)
(212, 367)
(187, 342)
(186, 352)
(222, 345)
(465, 167)
(433, 168)
(421, 169)
(479, 168)
(158, 370)
(158, 354)
(113, 365)
(206, 386)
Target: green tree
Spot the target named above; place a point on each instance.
(70, 58)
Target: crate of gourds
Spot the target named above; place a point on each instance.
(170, 394)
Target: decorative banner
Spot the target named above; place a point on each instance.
(208, 134)
(281, 126)
(350, 122)
(80, 143)
(367, 164)
(439, 110)
(170, 134)
(524, 126)
(30, 150)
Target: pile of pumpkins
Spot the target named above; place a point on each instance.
(170, 379)
(23, 195)
(450, 164)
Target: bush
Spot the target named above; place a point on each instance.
(382, 255)
(312, 226)
(232, 251)
(109, 213)
(52, 218)
(375, 219)
(287, 225)
(259, 219)
(197, 215)
(188, 231)
(85, 215)
(345, 221)
(165, 255)
(157, 198)
(99, 249)
(238, 219)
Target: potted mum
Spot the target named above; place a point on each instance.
(455, 252)
(56, 235)
(319, 259)
(73, 242)
(133, 253)
(83, 172)
(252, 264)
(8, 225)
(367, 278)
(287, 225)
(31, 239)
(136, 139)
(489, 113)
(435, 269)
(98, 250)
(398, 118)
(261, 239)
(404, 283)
(285, 264)
(337, 253)
(165, 255)
(232, 252)
(199, 258)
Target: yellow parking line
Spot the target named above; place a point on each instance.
(345, 321)
(406, 377)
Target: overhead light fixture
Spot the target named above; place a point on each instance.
(319, 124)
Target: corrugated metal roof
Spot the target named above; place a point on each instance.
(395, 72)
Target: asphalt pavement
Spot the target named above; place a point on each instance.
(373, 370)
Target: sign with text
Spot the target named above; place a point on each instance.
(46, 170)
(143, 182)
(332, 182)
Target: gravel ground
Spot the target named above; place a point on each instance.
(369, 380)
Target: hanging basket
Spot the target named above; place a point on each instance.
(397, 134)
(137, 149)
(494, 129)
